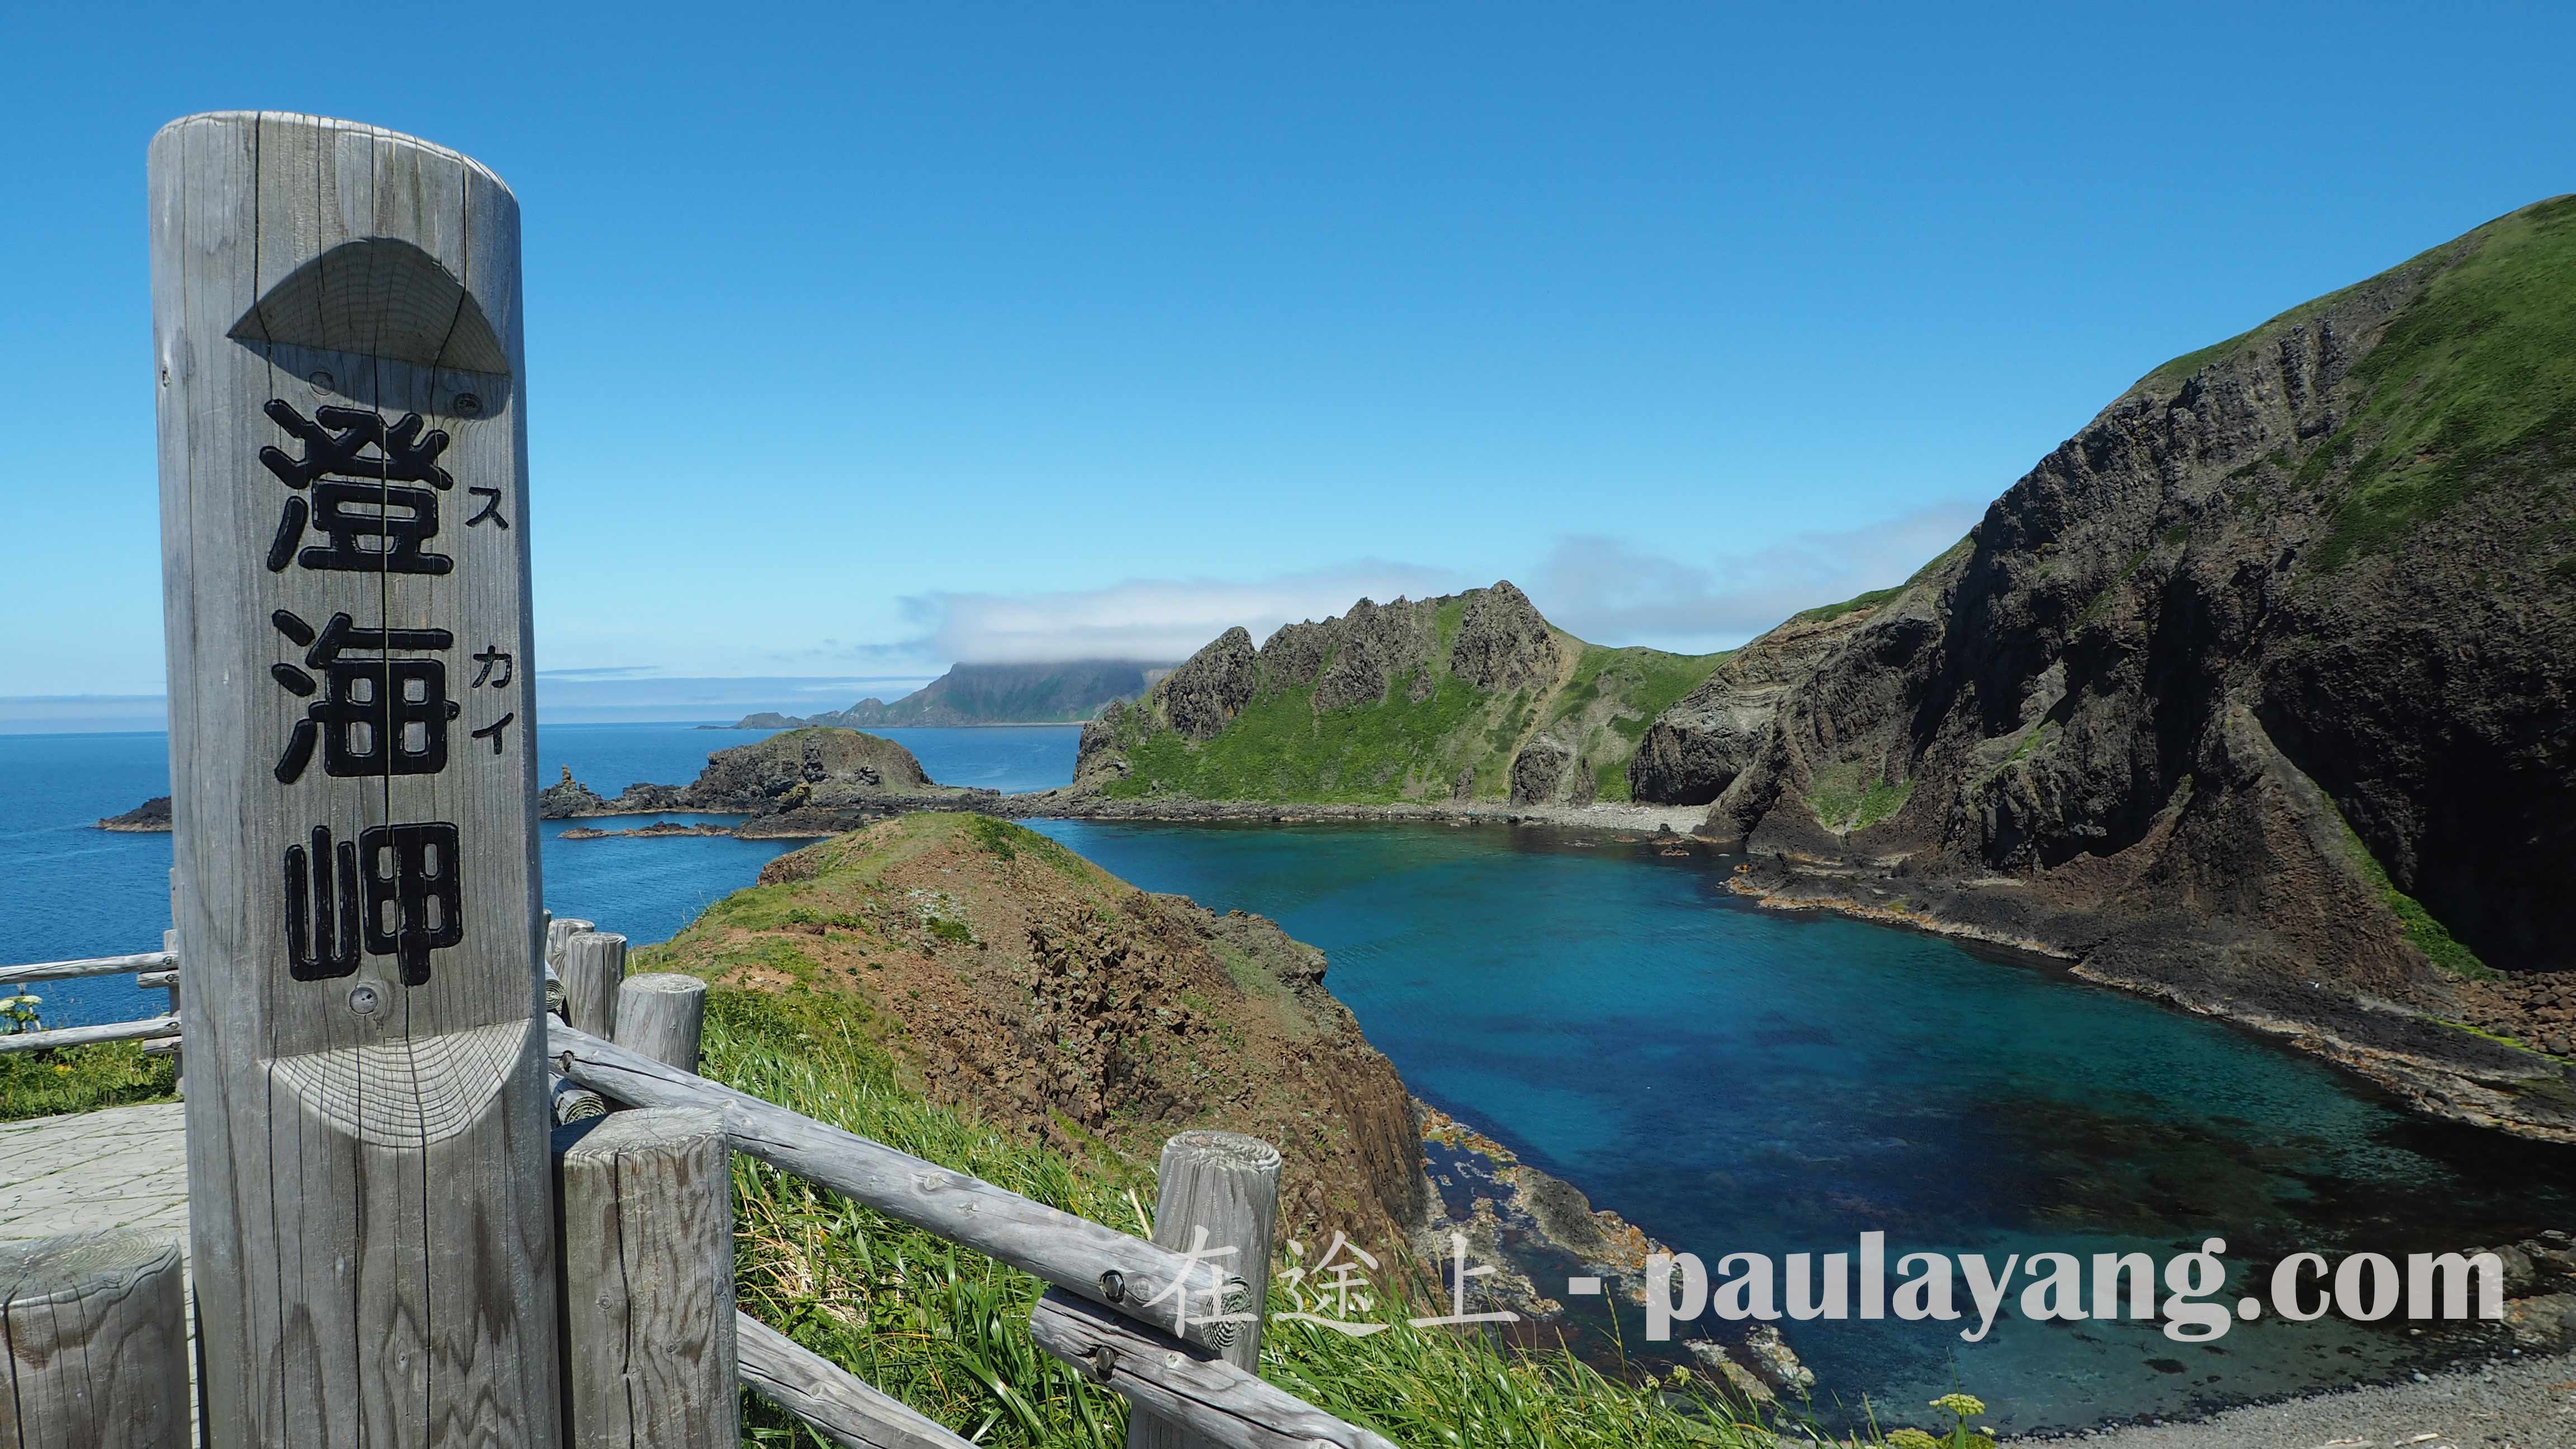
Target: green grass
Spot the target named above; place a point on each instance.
(1640, 684)
(2473, 381)
(1849, 797)
(82, 1079)
(2427, 934)
(944, 1329)
(1281, 748)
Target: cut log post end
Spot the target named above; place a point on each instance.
(593, 965)
(94, 1341)
(662, 1015)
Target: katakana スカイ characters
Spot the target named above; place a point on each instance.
(399, 892)
(379, 713)
(351, 462)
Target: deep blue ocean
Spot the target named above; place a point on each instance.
(1729, 1079)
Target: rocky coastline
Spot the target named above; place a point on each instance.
(152, 817)
(2518, 1389)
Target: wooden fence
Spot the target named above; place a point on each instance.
(654, 1348)
(151, 970)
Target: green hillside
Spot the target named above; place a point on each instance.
(1469, 697)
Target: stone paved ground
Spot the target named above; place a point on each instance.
(122, 1167)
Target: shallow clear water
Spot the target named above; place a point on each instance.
(1737, 1080)
(1729, 1079)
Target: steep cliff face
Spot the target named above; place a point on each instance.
(2256, 692)
(1050, 999)
(1472, 696)
(1695, 749)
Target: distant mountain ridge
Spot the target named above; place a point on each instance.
(986, 694)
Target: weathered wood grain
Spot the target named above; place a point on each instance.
(1185, 1384)
(648, 1281)
(368, 1182)
(92, 966)
(662, 1015)
(842, 1407)
(558, 930)
(1067, 1251)
(1217, 1194)
(594, 962)
(94, 1342)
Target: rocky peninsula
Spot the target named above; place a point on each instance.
(1020, 984)
(150, 817)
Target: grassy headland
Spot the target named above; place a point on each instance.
(851, 986)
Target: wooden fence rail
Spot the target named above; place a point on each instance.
(1075, 1254)
(153, 971)
(1129, 1313)
(1122, 1309)
(91, 966)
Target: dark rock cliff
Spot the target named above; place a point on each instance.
(2255, 693)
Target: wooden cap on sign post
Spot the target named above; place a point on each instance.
(337, 354)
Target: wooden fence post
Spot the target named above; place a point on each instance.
(663, 1015)
(344, 505)
(560, 929)
(649, 1332)
(1227, 1184)
(178, 1062)
(594, 962)
(94, 1342)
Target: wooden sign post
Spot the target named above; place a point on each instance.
(336, 326)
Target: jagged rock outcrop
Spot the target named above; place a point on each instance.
(152, 817)
(817, 770)
(1547, 771)
(1503, 642)
(1207, 691)
(1415, 700)
(569, 799)
(1695, 749)
(2255, 693)
(812, 766)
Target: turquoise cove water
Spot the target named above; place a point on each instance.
(1731, 1080)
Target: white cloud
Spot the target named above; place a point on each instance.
(1606, 591)
(1160, 620)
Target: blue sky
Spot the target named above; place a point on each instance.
(862, 339)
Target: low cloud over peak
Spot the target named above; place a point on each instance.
(1606, 591)
(1154, 620)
